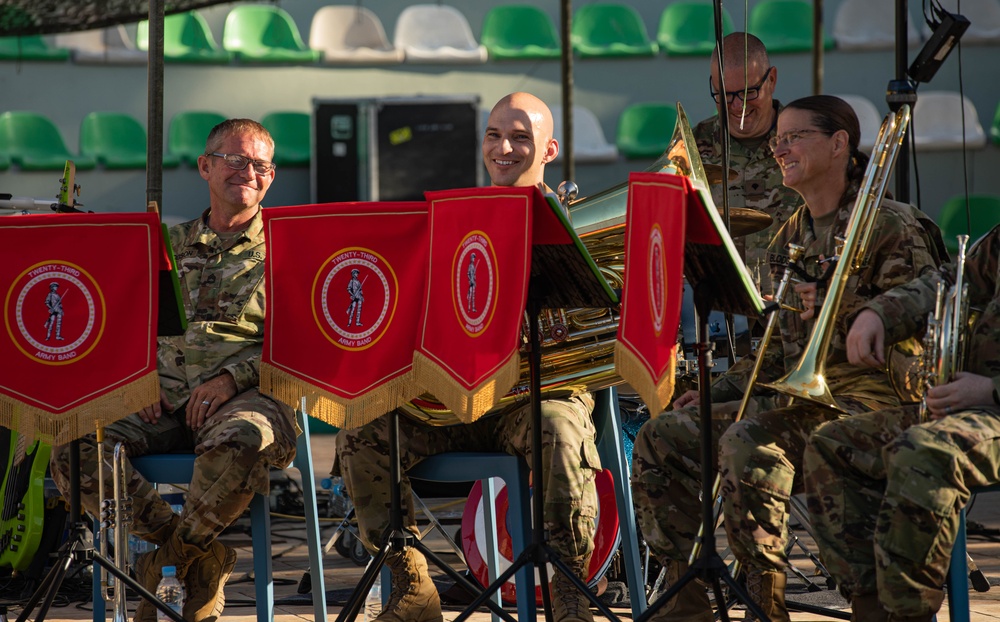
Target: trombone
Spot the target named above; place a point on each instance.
(808, 380)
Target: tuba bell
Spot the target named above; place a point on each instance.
(578, 345)
(808, 379)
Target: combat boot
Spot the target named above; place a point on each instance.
(767, 590)
(414, 597)
(203, 572)
(568, 603)
(690, 604)
(867, 608)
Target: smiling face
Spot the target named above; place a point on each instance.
(518, 141)
(810, 158)
(232, 191)
(759, 78)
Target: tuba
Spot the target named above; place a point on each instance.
(808, 379)
(578, 345)
(945, 339)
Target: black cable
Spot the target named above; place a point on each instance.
(913, 156)
(965, 162)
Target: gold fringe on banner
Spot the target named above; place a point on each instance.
(61, 428)
(656, 393)
(468, 405)
(334, 409)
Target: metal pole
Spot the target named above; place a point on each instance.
(817, 57)
(154, 106)
(569, 160)
(903, 161)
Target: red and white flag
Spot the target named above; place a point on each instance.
(345, 285)
(80, 298)
(646, 350)
(477, 282)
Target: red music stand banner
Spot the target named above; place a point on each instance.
(646, 349)
(345, 285)
(80, 295)
(467, 353)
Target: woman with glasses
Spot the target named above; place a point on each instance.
(816, 147)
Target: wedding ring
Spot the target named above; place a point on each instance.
(206, 402)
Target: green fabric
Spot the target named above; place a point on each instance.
(520, 32)
(610, 30)
(688, 28)
(645, 129)
(34, 143)
(785, 26)
(187, 132)
(291, 133)
(186, 39)
(265, 33)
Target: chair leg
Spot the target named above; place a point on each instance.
(260, 519)
(958, 576)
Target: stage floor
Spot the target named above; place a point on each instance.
(290, 561)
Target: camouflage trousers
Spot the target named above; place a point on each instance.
(667, 475)
(234, 450)
(879, 478)
(569, 464)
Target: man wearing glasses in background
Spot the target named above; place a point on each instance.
(755, 179)
(209, 403)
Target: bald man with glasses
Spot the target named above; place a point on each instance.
(755, 179)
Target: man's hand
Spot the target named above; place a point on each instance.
(964, 392)
(152, 413)
(866, 340)
(808, 292)
(688, 397)
(207, 398)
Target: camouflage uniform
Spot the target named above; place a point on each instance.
(759, 186)
(223, 286)
(757, 455)
(569, 461)
(884, 478)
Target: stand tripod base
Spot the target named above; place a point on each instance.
(712, 570)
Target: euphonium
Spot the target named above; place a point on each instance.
(116, 513)
(944, 341)
(808, 380)
(578, 345)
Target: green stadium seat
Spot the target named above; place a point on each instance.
(186, 39)
(645, 129)
(785, 26)
(117, 141)
(985, 213)
(33, 142)
(263, 33)
(30, 47)
(610, 30)
(688, 28)
(291, 132)
(995, 127)
(520, 32)
(4, 163)
(187, 133)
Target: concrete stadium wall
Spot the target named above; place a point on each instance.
(66, 92)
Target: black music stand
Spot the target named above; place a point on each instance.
(171, 320)
(721, 282)
(563, 275)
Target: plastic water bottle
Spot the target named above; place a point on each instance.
(171, 592)
(373, 604)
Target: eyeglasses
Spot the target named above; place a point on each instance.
(239, 162)
(790, 138)
(748, 94)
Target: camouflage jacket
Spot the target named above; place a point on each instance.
(904, 310)
(900, 250)
(222, 285)
(758, 186)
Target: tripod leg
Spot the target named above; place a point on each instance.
(49, 586)
(353, 605)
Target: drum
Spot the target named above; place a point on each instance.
(606, 538)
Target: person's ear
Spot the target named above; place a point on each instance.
(551, 151)
(841, 142)
(203, 166)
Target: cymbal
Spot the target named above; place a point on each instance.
(744, 221)
(714, 174)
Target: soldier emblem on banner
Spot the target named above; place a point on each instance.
(55, 312)
(476, 280)
(355, 298)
